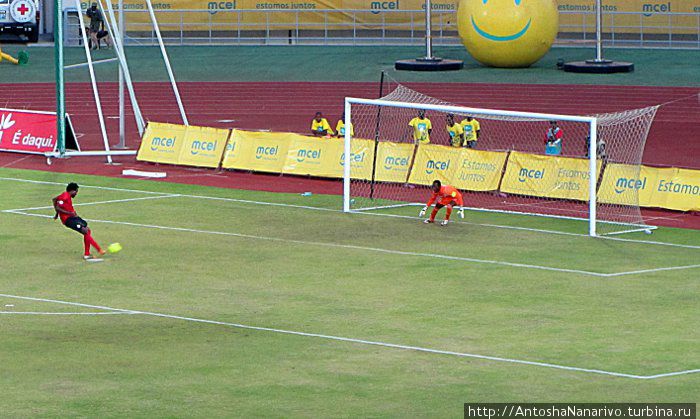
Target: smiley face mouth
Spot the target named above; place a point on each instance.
(501, 38)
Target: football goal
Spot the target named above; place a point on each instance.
(538, 164)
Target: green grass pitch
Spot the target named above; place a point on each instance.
(164, 326)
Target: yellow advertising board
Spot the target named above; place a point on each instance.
(631, 16)
(313, 156)
(546, 176)
(434, 162)
(161, 143)
(671, 188)
(361, 159)
(479, 170)
(625, 16)
(259, 151)
(393, 161)
(203, 146)
(228, 15)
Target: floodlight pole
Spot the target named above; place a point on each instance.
(598, 64)
(60, 93)
(428, 63)
(428, 31)
(598, 31)
(122, 130)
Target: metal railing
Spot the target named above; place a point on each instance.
(385, 27)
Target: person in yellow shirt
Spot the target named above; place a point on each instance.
(455, 130)
(422, 127)
(340, 127)
(320, 126)
(472, 130)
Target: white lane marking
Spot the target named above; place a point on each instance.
(363, 341)
(82, 204)
(59, 313)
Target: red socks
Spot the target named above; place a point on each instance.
(87, 244)
(449, 212)
(89, 241)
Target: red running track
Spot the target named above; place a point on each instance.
(674, 139)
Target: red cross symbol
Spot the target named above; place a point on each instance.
(23, 9)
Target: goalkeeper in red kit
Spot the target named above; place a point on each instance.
(445, 196)
(63, 204)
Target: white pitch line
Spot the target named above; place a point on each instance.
(362, 341)
(82, 204)
(376, 249)
(59, 313)
(643, 271)
(245, 201)
(672, 374)
(106, 188)
(336, 245)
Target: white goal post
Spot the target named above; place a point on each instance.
(383, 122)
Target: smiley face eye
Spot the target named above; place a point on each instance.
(485, 1)
(517, 2)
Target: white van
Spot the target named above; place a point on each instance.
(20, 17)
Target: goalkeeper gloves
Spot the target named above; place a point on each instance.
(422, 212)
(461, 213)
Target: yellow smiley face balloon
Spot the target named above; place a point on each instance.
(507, 33)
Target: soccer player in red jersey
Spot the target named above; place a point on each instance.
(446, 196)
(63, 204)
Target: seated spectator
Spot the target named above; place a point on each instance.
(340, 127)
(320, 126)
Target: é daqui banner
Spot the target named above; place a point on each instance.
(32, 132)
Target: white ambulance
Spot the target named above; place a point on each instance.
(20, 17)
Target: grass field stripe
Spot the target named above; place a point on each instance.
(686, 246)
(336, 245)
(244, 201)
(643, 271)
(46, 313)
(107, 188)
(359, 341)
(82, 204)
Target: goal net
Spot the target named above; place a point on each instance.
(502, 161)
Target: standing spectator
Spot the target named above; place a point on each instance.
(472, 130)
(553, 139)
(422, 127)
(600, 148)
(455, 130)
(320, 126)
(340, 127)
(96, 23)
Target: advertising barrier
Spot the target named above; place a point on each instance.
(546, 176)
(671, 188)
(32, 132)
(464, 168)
(203, 146)
(393, 162)
(296, 154)
(467, 169)
(161, 143)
